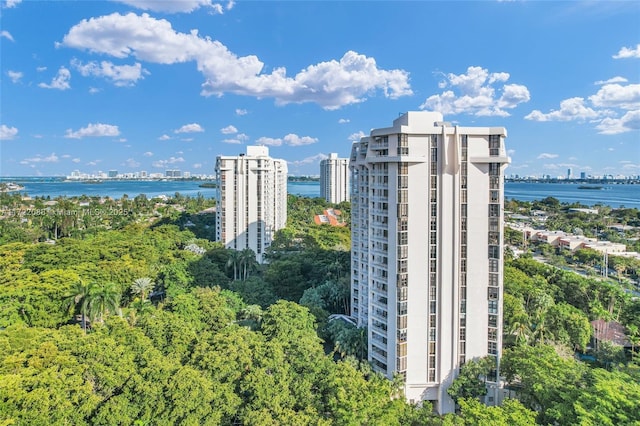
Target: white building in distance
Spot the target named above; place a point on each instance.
(251, 199)
(334, 179)
(427, 267)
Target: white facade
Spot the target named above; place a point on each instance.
(251, 199)
(334, 179)
(427, 270)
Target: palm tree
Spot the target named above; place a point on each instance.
(247, 261)
(142, 286)
(619, 268)
(234, 262)
(539, 330)
(521, 331)
(104, 298)
(79, 297)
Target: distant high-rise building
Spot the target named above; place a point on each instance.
(569, 173)
(251, 199)
(426, 253)
(112, 173)
(583, 175)
(173, 173)
(334, 179)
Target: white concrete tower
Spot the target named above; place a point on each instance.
(427, 270)
(251, 199)
(334, 179)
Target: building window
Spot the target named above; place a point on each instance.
(493, 306)
(493, 320)
(494, 145)
(492, 335)
(492, 293)
(403, 238)
(401, 364)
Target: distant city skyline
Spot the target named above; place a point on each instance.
(88, 91)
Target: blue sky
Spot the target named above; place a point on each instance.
(151, 85)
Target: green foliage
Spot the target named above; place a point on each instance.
(348, 339)
(470, 382)
(511, 413)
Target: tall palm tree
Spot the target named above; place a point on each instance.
(103, 299)
(539, 330)
(142, 287)
(79, 297)
(521, 331)
(234, 262)
(248, 262)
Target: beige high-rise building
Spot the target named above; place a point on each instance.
(427, 267)
(251, 199)
(334, 179)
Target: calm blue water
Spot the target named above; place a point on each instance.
(612, 195)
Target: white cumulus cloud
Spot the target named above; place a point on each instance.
(269, 141)
(6, 34)
(93, 130)
(343, 120)
(613, 126)
(616, 79)
(15, 76)
(132, 163)
(354, 137)
(614, 108)
(314, 159)
(628, 52)
(240, 111)
(290, 139)
(546, 155)
(331, 84)
(189, 128)
(294, 140)
(165, 163)
(52, 158)
(60, 81)
(617, 96)
(237, 139)
(229, 130)
(477, 92)
(7, 133)
(164, 138)
(148, 154)
(181, 6)
(570, 109)
(119, 75)
(12, 3)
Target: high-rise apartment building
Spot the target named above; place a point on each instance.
(251, 199)
(427, 270)
(334, 179)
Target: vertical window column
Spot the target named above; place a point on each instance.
(402, 282)
(462, 290)
(433, 259)
(494, 240)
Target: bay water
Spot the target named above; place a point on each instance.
(614, 195)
